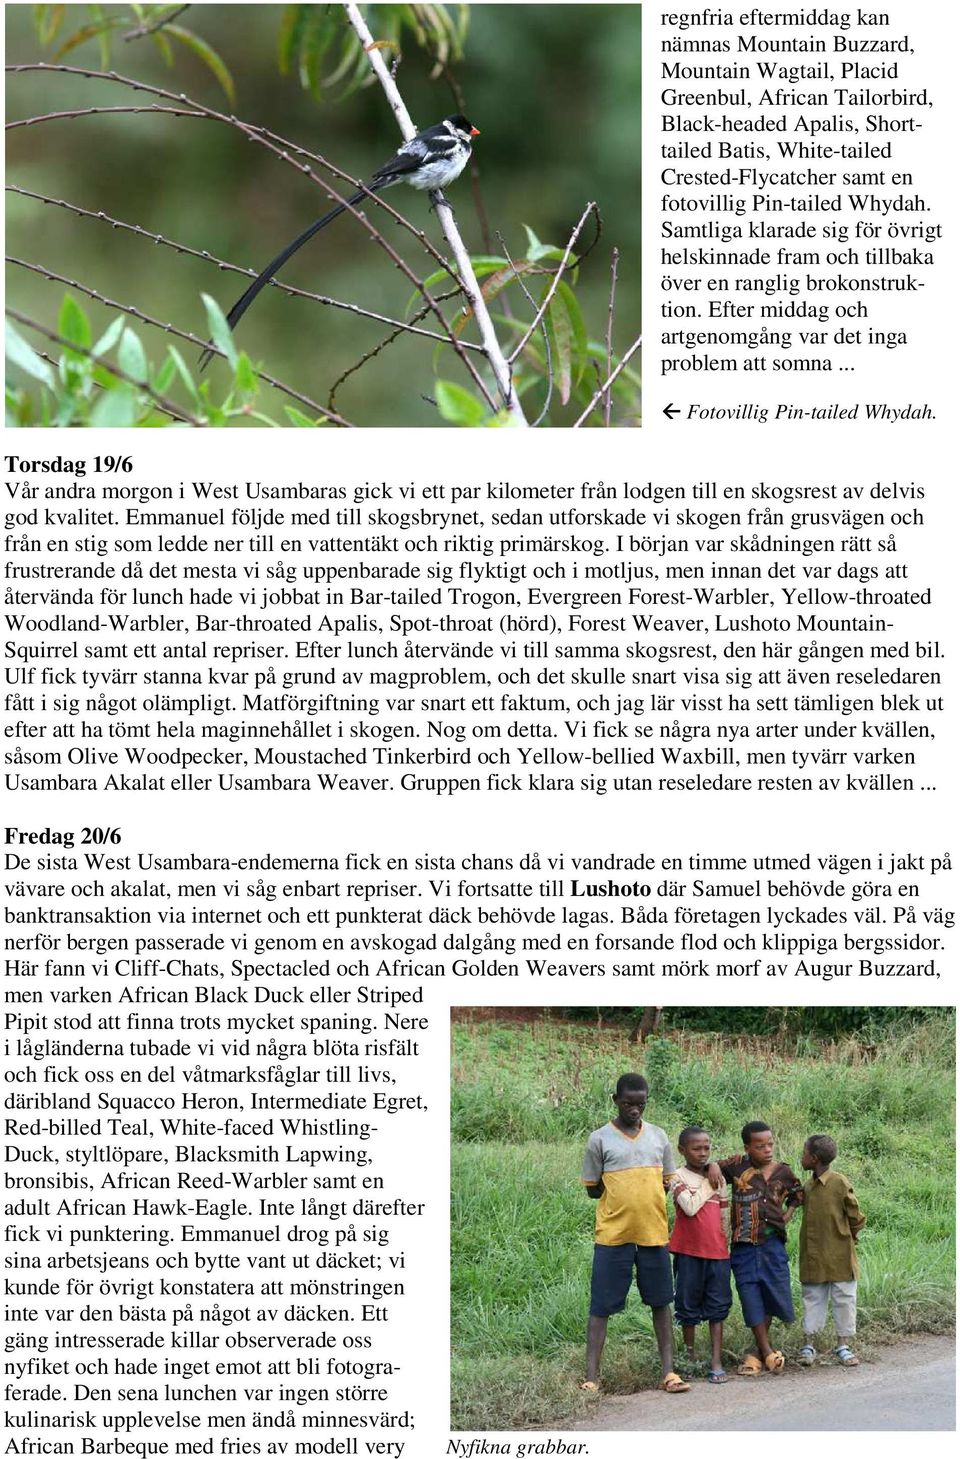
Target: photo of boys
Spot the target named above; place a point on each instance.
(831, 1222)
(765, 1194)
(529, 1085)
(626, 1167)
(700, 1243)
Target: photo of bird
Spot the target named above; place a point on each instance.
(430, 161)
(502, 288)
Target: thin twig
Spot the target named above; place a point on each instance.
(101, 217)
(96, 111)
(134, 35)
(560, 271)
(364, 359)
(282, 150)
(258, 134)
(376, 349)
(263, 135)
(546, 333)
(609, 380)
(185, 334)
(488, 336)
(614, 261)
(167, 406)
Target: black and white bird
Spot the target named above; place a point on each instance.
(428, 162)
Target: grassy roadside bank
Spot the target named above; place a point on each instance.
(524, 1100)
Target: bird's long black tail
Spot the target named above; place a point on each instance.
(260, 282)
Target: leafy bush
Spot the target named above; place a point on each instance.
(110, 381)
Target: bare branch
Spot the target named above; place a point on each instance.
(94, 111)
(614, 262)
(546, 333)
(560, 271)
(609, 380)
(167, 329)
(364, 359)
(372, 353)
(491, 344)
(101, 217)
(167, 406)
(263, 135)
(158, 24)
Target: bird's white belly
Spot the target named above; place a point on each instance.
(438, 174)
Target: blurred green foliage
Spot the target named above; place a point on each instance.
(819, 1021)
(110, 382)
(554, 90)
(135, 22)
(329, 59)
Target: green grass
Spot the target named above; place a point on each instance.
(524, 1100)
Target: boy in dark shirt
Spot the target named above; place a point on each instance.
(764, 1195)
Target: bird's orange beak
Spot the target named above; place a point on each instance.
(474, 131)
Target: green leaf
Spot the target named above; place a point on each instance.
(457, 405)
(67, 408)
(220, 331)
(578, 327)
(179, 364)
(318, 34)
(288, 39)
(261, 416)
(208, 56)
(19, 407)
(109, 337)
(483, 264)
(244, 375)
(561, 340)
(351, 53)
(297, 417)
(163, 46)
(533, 243)
(493, 285)
(116, 407)
(86, 33)
(214, 416)
(49, 20)
(73, 324)
(163, 378)
(131, 357)
(19, 353)
(103, 39)
(537, 251)
(74, 370)
(512, 326)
